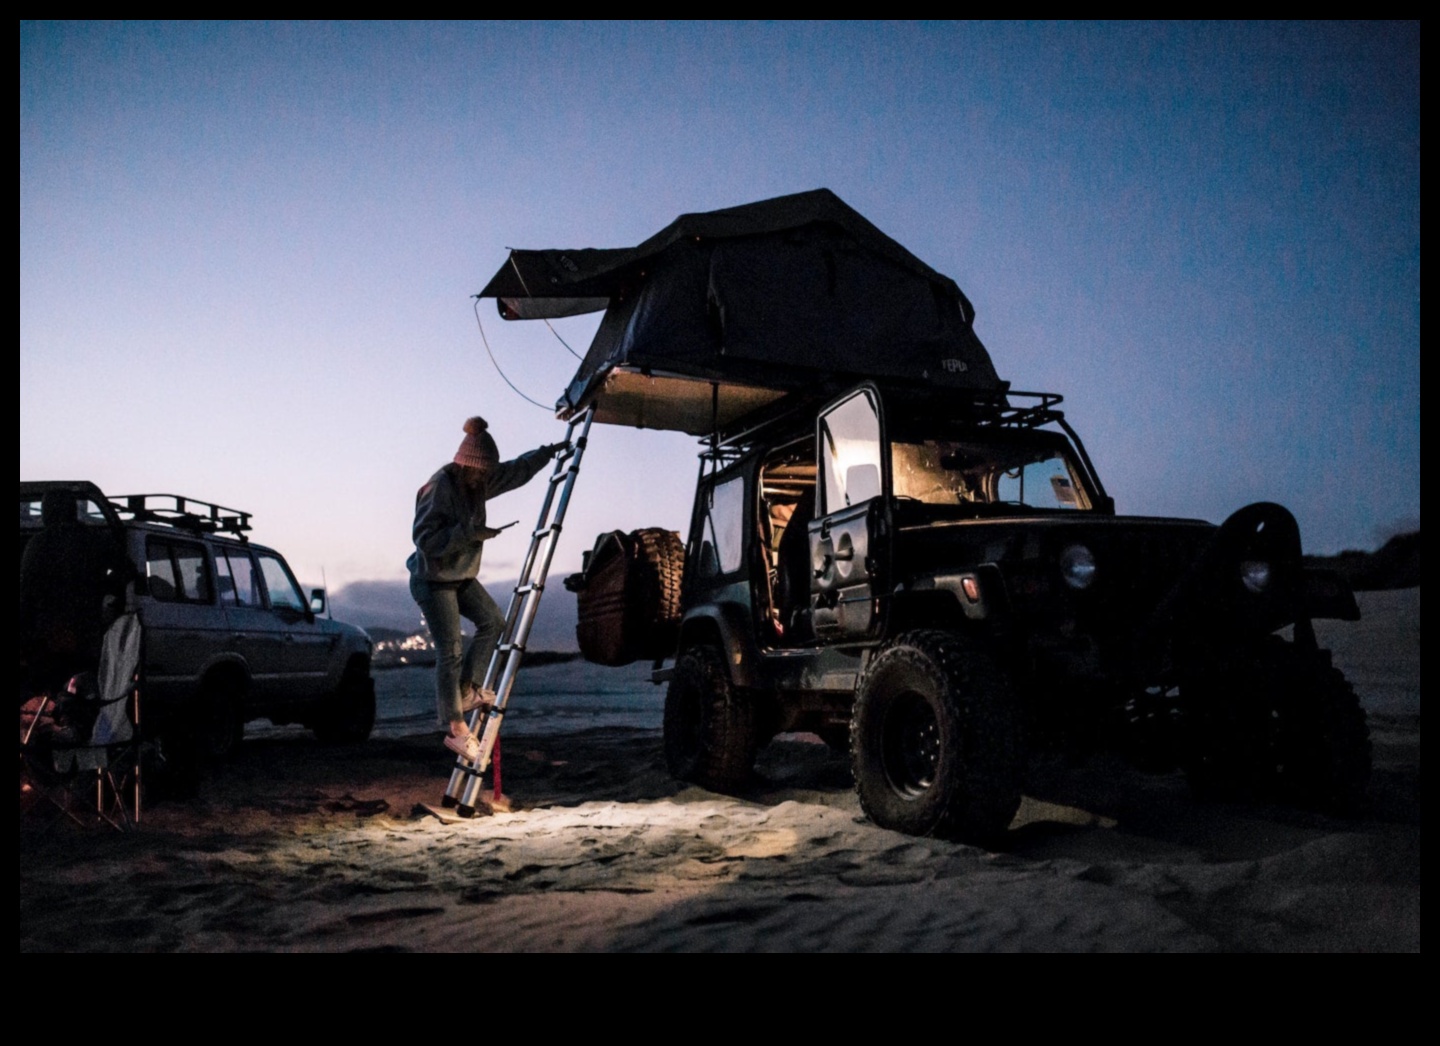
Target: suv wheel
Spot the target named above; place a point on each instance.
(934, 740)
(349, 714)
(1279, 723)
(711, 726)
(209, 731)
(220, 726)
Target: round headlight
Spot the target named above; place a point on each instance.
(1077, 566)
(1255, 573)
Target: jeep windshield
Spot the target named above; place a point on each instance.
(990, 476)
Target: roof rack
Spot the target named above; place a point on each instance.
(175, 510)
(988, 408)
(1005, 412)
(997, 409)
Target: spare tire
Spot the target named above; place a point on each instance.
(629, 596)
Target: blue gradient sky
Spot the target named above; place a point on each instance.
(247, 251)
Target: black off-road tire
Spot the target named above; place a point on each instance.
(1279, 723)
(712, 729)
(349, 714)
(217, 724)
(934, 740)
(208, 731)
(654, 612)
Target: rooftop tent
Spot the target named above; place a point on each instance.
(722, 312)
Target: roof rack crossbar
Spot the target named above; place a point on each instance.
(995, 409)
(183, 513)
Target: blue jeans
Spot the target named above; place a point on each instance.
(443, 604)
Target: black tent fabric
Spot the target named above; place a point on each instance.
(773, 295)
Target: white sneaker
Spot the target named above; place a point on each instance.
(466, 746)
(476, 697)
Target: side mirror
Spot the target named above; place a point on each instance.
(142, 585)
(317, 601)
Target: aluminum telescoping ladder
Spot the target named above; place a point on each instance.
(467, 779)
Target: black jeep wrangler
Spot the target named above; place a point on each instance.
(924, 566)
(943, 587)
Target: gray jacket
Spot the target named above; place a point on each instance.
(450, 530)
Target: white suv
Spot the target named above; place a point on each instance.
(228, 635)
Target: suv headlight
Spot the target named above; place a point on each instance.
(1077, 566)
(1255, 574)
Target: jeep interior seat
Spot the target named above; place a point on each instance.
(793, 574)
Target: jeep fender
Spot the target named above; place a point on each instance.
(1216, 597)
(728, 627)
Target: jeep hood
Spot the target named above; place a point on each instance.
(724, 311)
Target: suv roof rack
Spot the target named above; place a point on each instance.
(980, 408)
(989, 409)
(183, 513)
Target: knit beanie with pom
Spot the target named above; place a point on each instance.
(477, 449)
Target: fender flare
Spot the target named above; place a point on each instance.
(726, 625)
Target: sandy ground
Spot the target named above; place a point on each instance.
(302, 847)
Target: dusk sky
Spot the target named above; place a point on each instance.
(247, 251)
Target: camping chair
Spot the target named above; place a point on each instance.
(81, 748)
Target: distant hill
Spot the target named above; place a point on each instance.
(386, 611)
(1396, 564)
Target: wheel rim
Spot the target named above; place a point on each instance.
(910, 745)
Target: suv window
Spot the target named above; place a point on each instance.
(1046, 483)
(237, 578)
(850, 451)
(281, 587)
(86, 511)
(722, 541)
(951, 472)
(177, 570)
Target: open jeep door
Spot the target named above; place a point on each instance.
(846, 556)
